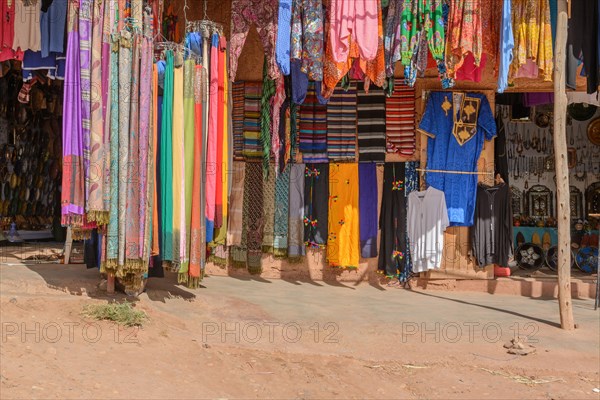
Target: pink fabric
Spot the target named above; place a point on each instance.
(356, 20)
(211, 148)
(468, 71)
(528, 70)
(277, 102)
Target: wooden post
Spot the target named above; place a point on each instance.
(562, 171)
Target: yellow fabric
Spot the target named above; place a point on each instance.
(343, 242)
(533, 36)
(178, 158)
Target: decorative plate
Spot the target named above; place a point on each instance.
(587, 259)
(593, 132)
(529, 256)
(552, 258)
(581, 111)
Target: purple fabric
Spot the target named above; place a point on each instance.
(537, 99)
(85, 58)
(367, 207)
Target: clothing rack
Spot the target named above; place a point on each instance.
(204, 25)
(455, 172)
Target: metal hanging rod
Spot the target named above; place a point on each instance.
(204, 24)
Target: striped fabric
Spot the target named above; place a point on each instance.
(400, 120)
(252, 96)
(313, 128)
(371, 124)
(341, 124)
(237, 115)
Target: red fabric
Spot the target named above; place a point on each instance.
(468, 71)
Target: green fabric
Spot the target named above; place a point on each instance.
(189, 69)
(282, 199)
(112, 239)
(166, 161)
(265, 118)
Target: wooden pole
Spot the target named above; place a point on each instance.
(562, 171)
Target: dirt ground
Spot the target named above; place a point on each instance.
(240, 338)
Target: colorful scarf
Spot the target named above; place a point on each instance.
(316, 204)
(236, 226)
(213, 133)
(343, 243)
(197, 245)
(178, 184)
(86, 9)
(313, 128)
(367, 178)
(107, 73)
(206, 45)
(269, 210)
(280, 229)
(276, 103)
(253, 191)
(268, 91)
(411, 183)
(73, 190)
(221, 133)
(237, 111)
(400, 120)
(132, 214)
(296, 248)
(95, 182)
(341, 124)
(166, 164)
(252, 112)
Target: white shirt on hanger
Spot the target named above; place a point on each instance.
(427, 221)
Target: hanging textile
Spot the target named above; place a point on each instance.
(178, 184)
(375, 69)
(268, 91)
(392, 221)
(220, 167)
(86, 9)
(280, 228)
(367, 205)
(73, 186)
(276, 106)
(237, 111)
(211, 148)
(341, 124)
(507, 43)
(253, 191)
(269, 210)
(153, 162)
(343, 239)
(356, 20)
(316, 196)
(400, 120)
(371, 124)
(313, 128)
(296, 248)
(392, 35)
(411, 184)
(237, 205)
(262, 13)
(465, 34)
(307, 37)
(284, 29)
(252, 111)
(584, 26)
(166, 163)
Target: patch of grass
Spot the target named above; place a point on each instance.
(121, 313)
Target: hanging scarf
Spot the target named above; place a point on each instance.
(411, 184)
(95, 182)
(265, 117)
(255, 222)
(252, 149)
(237, 216)
(86, 9)
(197, 234)
(343, 243)
(211, 149)
(73, 189)
(237, 111)
(189, 71)
(367, 178)
(166, 164)
(107, 73)
(112, 239)
(280, 229)
(269, 210)
(296, 248)
(178, 167)
(316, 196)
(276, 103)
(218, 170)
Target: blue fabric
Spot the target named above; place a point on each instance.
(507, 44)
(193, 41)
(284, 29)
(52, 28)
(300, 84)
(444, 152)
(33, 60)
(553, 18)
(160, 69)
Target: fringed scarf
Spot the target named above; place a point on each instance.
(73, 186)
(296, 248)
(166, 163)
(253, 191)
(236, 204)
(237, 112)
(189, 72)
(96, 212)
(268, 91)
(280, 229)
(197, 234)
(211, 149)
(269, 210)
(178, 184)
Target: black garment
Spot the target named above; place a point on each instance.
(392, 220)
(491, 234)
(91, 250)
(500, 156)
(515, 101)
(583, 35)
(316, 204)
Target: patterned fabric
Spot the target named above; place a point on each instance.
(316, 204)
(253, 191)
(86, 9)
(237, 111)
(392, 35)
(371, 124)
(145, 134)
(276, 106)
(392, 221)
(284, 27)
(269, 210)
(465, 34)
(533, 36)
(236, 201)
(280, 228)
(295, 242)
(341, 124)
(307, 37)
(313, 128)
(400, 120)
(252, 113)
(343, 240)
(268, 91)
(263, 13)
(411, 184)
(112, 238)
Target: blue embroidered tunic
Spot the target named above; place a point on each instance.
(459, 123)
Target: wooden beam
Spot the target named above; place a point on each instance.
(562, 171)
